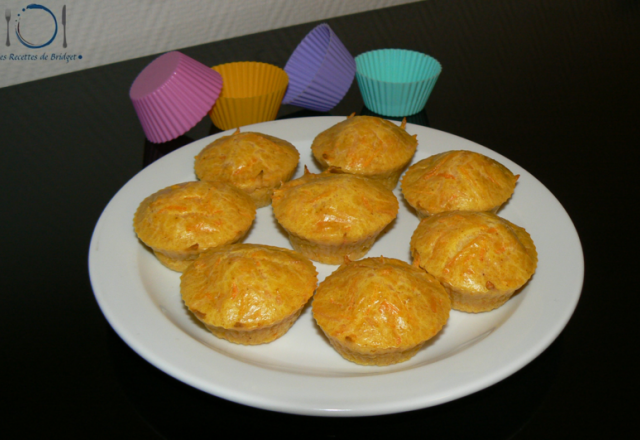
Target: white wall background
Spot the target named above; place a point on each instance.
(103, 32)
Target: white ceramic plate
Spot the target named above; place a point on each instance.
(300, 373)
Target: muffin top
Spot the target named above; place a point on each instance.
(380, 303)
(191, 217)
(247, 286)
(474, 252)
(364, 145)
(249, 161)
(457, 181)
(334, 207)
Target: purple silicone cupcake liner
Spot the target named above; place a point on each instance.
(172, 94)
(320, 70)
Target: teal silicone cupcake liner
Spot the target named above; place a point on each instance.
(396, 82)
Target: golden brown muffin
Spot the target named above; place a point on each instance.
(457, 181)
(332, 215)
(181, 221)
(246, 293)
(380, 311)
(480, 258)
(254, 162)
(367, 146)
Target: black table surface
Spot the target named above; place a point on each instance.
(552, 85)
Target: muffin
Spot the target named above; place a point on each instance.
(480, 258)
(333, 215)
(367, 146)
(247, 293)
(457, 181)
(254, 162)
(181, 221)
(380, 311)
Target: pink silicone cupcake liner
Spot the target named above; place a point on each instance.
(172, 94)
(320, 70)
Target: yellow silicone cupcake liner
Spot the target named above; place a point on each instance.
(252, 92)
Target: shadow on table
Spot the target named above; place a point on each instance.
(153, 152)
(178, 411)
(418, 119)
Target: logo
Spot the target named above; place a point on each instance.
(36, 26)
(30, 10)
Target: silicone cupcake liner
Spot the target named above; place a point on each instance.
(320, 70)
(172, 94)
(396, 82)
(252, 93)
